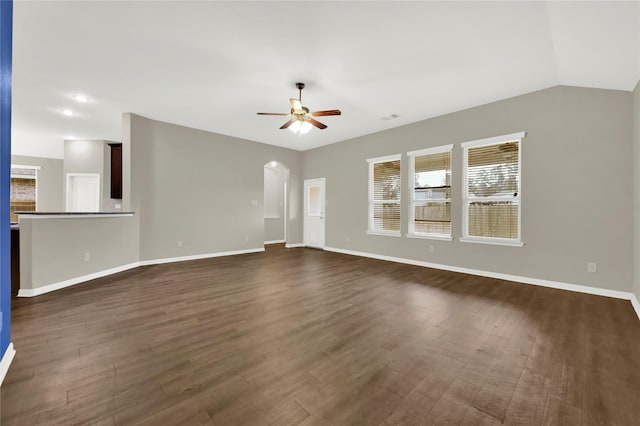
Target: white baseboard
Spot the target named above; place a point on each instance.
(274, 242)
(73, 281)
(635, 304)
(198, 256)
(24, 292)
(526, 280)
(6, 361)
(294, 245)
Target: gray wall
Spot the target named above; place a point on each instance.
(52, 250)
(636, 188)
(576, 181)
(50, 178)
(197, 187)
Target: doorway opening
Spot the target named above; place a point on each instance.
(83, 192)
(276, 185)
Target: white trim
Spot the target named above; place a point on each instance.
(385, 233)
(384, 159)
(431, 237)
(494, 140)
(73, 281)
(274, 242)
(492, 241)
(515, 278)
(22, 166)
(467, 199)
(30, 292)
(294, 245)
(429, 151)
(6, 361)
(371, 202)
(635, 304)
(199, 256)
(72, 216)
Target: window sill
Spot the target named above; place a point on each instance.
(492, 241)
(430, 237)
(385, 233)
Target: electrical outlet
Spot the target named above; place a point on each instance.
(246, 238)
(431, 249)
(87, 256)
(118, 206)
(254, 202)
(179, 243)
(592, 267)
(347, 239)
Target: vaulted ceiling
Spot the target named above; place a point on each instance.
(213, 65)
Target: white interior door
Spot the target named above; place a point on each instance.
(314, 212)
(83, 192)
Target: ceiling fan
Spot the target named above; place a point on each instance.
(301, 119)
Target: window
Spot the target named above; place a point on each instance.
(384, 195)
(430, 204)
(23, 190)
(491, 190)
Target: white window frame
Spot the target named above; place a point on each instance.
(412, 201)
(372, 202)
(466, 198)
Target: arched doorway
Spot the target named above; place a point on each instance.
(276, 184)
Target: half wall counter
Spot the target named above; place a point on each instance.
(58, 250)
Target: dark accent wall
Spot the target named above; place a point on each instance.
(6, 35)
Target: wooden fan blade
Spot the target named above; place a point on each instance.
(296, 106)
(316, 123)
(327, 112)
(288, 123)
(280, 114)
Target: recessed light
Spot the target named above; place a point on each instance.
(81, 98)
(67, 112)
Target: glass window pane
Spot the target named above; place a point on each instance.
(493, 170)
(433, 218)
(314, 208)
(498, 219)
(386, 181)
(386, 217)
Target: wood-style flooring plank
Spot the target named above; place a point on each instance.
(312, 338)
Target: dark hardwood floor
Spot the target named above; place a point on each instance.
(306, 337)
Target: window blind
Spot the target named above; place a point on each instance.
(384, 205)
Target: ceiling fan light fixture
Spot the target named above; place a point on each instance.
(300, 127)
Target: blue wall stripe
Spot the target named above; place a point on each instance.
(6, 45)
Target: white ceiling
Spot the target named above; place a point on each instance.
(213, 65)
